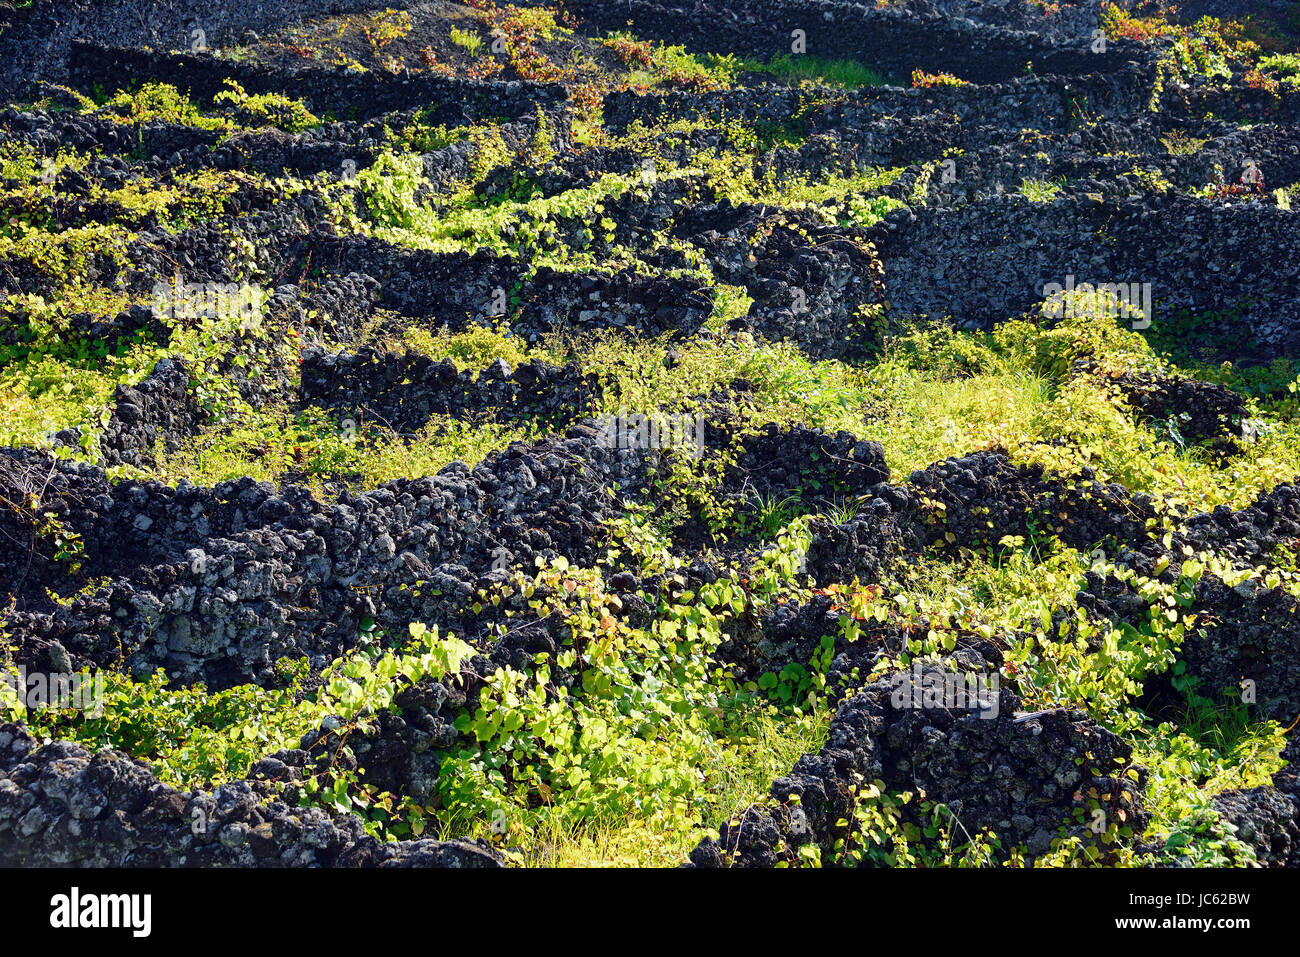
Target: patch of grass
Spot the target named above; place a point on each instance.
(810, 70)
(467, 40)
(1191, 763)
(268, 443)
(45, 395)
(759, 745)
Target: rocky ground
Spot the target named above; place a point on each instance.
(736, 433)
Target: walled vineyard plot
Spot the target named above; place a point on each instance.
(761, 433)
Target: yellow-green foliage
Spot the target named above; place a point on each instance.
(468, 39)
(267, 109)
(475, 348)
(268, 442)
(160, 101)
(655, 742)
(1039, 190)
